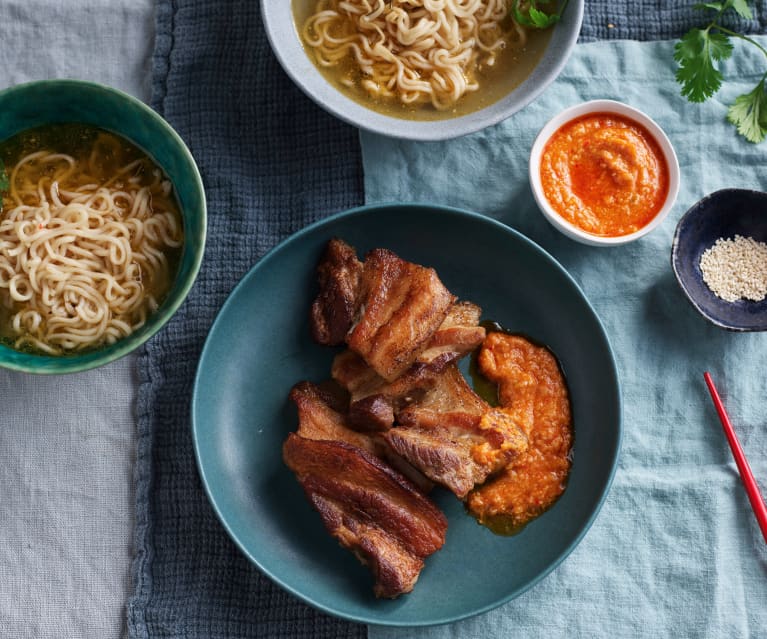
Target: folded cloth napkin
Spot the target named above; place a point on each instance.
(272, 163)
(676, 550)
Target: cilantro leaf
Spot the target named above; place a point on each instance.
(532, 16)
(716, 6)
(5, 183)
(541, 19)
(742, 8)
(749, 114)
(696, 53)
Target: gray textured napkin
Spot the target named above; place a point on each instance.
(272, 163)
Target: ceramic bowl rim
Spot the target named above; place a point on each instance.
(73, 363)
(278, 23)
(602, 106)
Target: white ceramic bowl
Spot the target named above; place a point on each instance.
(286, 44)
(602, 106)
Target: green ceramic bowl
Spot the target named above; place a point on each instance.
(59, 101)
(260, 345)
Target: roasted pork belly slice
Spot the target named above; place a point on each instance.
(458, 335)
(455, 438)
(374, 401)
(370, 508)
(395, 570)
(336, 305)
(458, 457)
(320, 417)
(401, 307)
(450, 400)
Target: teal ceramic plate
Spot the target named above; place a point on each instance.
(259, 347)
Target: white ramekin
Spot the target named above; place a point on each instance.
(602, 106)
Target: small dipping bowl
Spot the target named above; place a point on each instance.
(595, 107)
(722, 214)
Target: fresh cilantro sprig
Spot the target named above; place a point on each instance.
(698, 53)
(531, 15)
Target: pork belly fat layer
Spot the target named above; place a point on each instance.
(402, 305)
(336, 305)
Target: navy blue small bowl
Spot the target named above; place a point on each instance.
(723, 214)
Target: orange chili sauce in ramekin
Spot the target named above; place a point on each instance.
(605, 174)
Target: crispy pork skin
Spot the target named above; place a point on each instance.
(369, 508)
(401, 307)
(336, 305)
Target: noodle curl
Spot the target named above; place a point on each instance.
(82, 253)
(414, 51)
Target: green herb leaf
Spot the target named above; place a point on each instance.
(534, 17)
(716, 6)
(542, 20)
(749, 114)
(5, 183)
(742, 8)
(696, 53)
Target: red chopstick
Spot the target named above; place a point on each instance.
(752, 488)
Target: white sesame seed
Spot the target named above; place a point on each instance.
(736, 269)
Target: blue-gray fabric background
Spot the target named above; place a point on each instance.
(272, 162)
(675, 550)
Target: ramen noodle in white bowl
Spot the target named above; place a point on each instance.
(90, 238)
(420, 59)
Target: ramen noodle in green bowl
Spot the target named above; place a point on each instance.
(102, 226)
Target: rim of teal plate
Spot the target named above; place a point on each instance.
(458, 212)
(79, 362)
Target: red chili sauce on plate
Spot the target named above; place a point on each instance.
(605, 174)
(533, 391)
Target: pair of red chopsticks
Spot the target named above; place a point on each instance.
(752, 489)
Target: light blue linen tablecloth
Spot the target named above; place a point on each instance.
(67, 443)
(675, 551)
